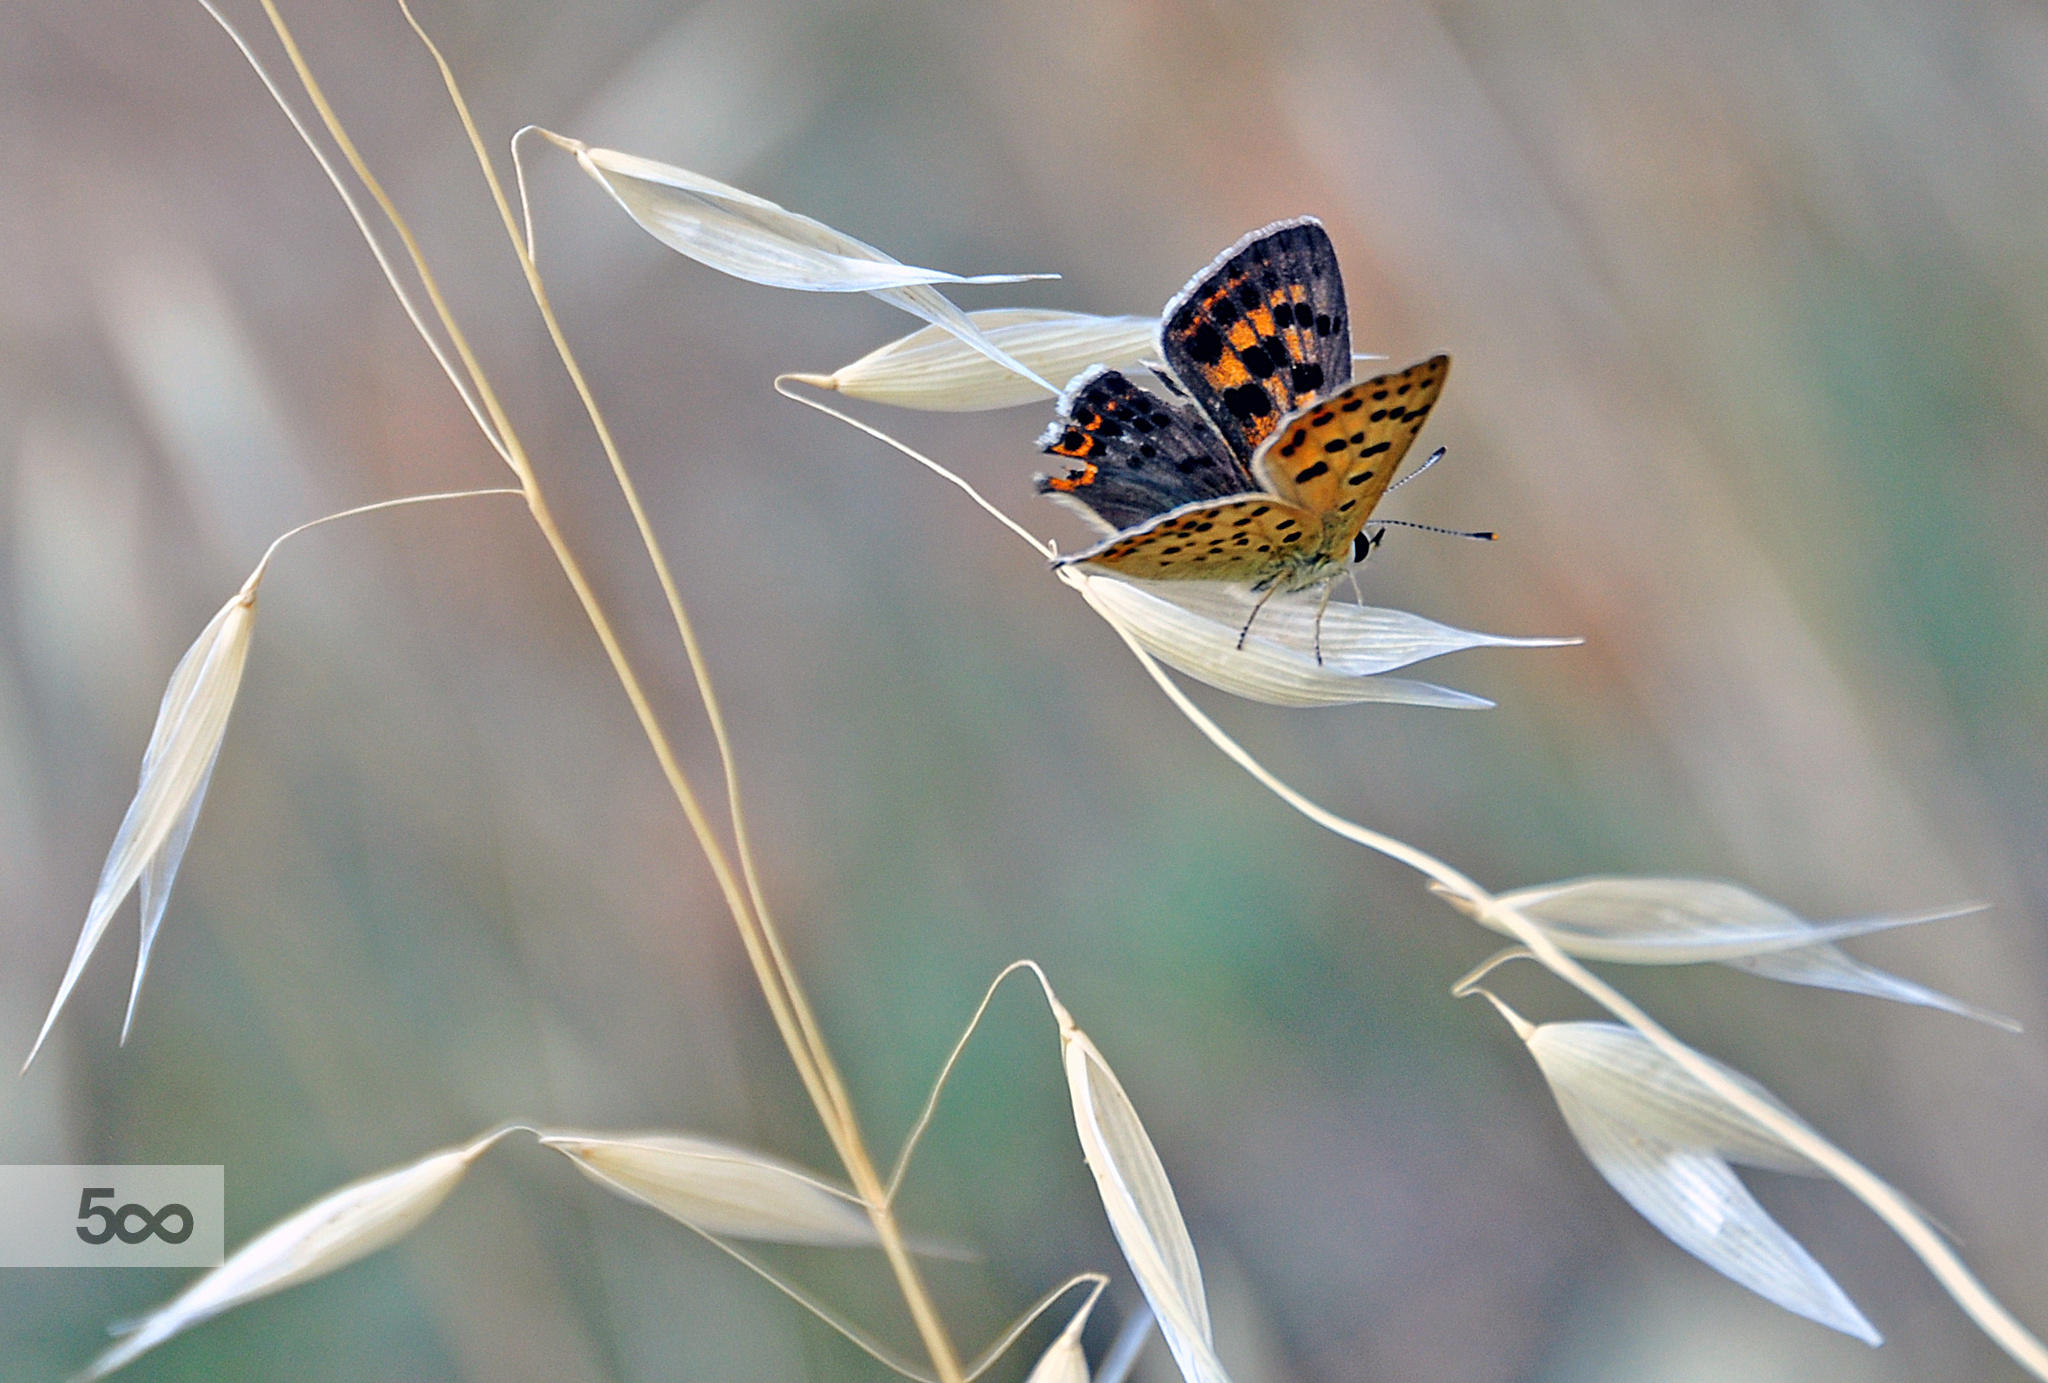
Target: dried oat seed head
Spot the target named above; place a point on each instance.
(935, 371)
(752, 238)
(718, 1188)
(178, 764)
(1196, 626)
(1664, 1141)
(1649, 921)
(1140, 1204)
(331, 1233)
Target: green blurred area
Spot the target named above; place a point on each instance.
(1749, 308)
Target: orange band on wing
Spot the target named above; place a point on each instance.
(1073, 480)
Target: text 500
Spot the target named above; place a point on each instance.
(132, 1223)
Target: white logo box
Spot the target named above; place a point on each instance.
(146, 1216)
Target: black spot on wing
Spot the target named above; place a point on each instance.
(1248, 401)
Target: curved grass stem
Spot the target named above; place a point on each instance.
(376, 506)
(1041, 546)
(931, 1102)
(1097, 1284)
(843, 1329)
(1905, 1219)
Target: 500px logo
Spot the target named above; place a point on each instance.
(116, 1222)
(98, 1216)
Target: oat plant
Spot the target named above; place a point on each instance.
(1663, 1123)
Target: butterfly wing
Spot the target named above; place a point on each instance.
(1138, 455)
(1245, 538)
(1261, 332)
(1336, 457)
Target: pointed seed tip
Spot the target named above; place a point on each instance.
(35, 1048)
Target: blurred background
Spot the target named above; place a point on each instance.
(1749, 306)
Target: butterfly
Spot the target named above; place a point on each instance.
(1269, 477)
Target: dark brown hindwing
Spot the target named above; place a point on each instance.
(1135, 454)
(1261, 332)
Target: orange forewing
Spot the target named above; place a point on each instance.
(1336, 457)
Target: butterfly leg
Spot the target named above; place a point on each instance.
(1328, 587)
(1245, 632)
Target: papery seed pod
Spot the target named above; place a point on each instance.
(750, 237)
(717, 1187)
(331, 1233)
(1200, 628)
(935, 371)
(1633, 920)
(177, 766)
(1664, 1141)
(1140, 1204)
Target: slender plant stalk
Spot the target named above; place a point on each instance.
(1123, 1351)
(1097, 1285)
(743, 895)
(402, 502)
(356, 213)
(809, 1303)
(784, 385)
(931, 1103)
(500, 424)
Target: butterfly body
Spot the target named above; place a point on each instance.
(1269, 479)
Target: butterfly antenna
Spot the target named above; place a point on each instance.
(1432, 459)
(1486, 536)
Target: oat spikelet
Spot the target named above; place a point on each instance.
(176, 768)
(331, 1233)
